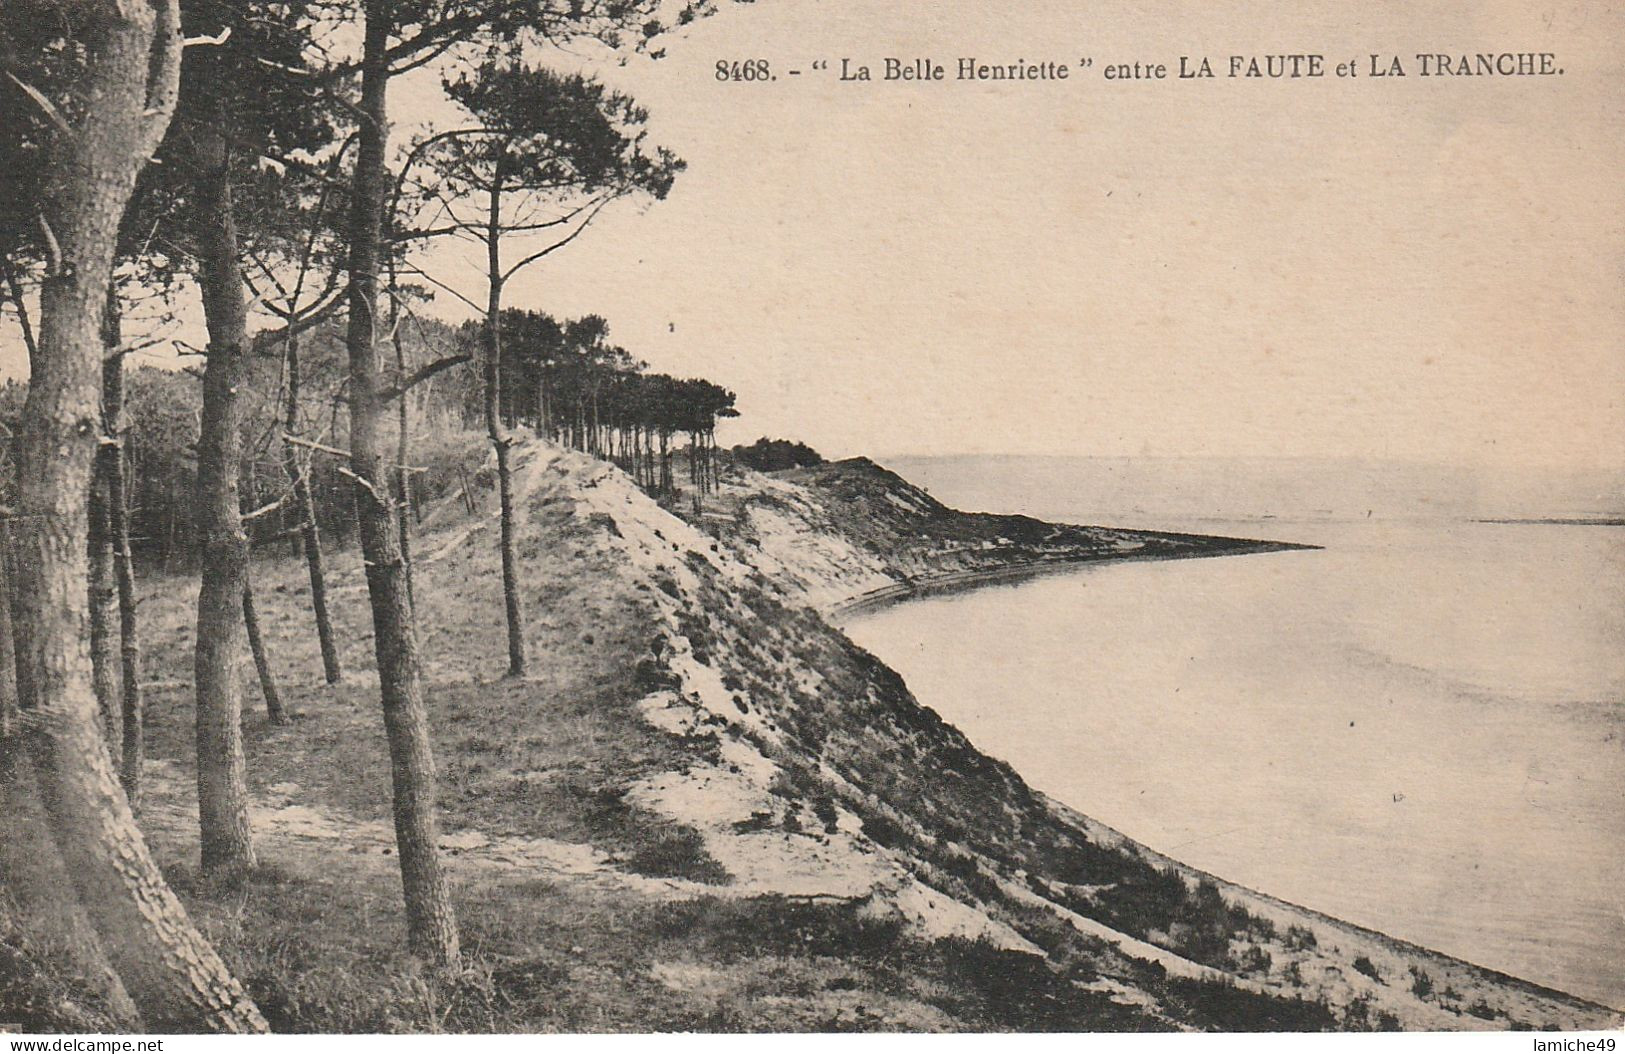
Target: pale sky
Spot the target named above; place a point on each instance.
(1421, 268)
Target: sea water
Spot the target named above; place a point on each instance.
(1419, 728)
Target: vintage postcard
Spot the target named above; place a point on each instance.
(622, 516)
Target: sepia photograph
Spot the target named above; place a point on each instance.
(650, 517)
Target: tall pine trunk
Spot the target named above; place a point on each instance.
(430, 924)
(262, 661)
(131, 60)
(305, 504)
(500, 441)
(227, 842)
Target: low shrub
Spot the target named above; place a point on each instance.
(1300, 938)
(677, 852)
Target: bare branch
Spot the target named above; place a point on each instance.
(322, 448)
(561, 243)
(265, 510)
(308, 250)
(329, 296)
(310, 445)
(131, 346)
(305, 168)
(53, 248)
(214, 41)
(380, 499)
(420, 375)
(265, 269)
(421, 273)
(45, 104)
(164, 81)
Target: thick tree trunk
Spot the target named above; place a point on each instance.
(132, 710)
(40, 892)
(430, 924)
(227, 842)
(500, 441)
(31, 873)
(131, 58)
(305, 504)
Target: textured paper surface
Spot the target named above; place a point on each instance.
(1340, 275)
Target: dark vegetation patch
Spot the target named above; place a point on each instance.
(728, 931)
(1255, 960)
(1300, 938)
(1359, 1016)
(776, 455)
(1197, 922)
(981, 986)
(1221, 1006)
(675, 851)
(1027, 990)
